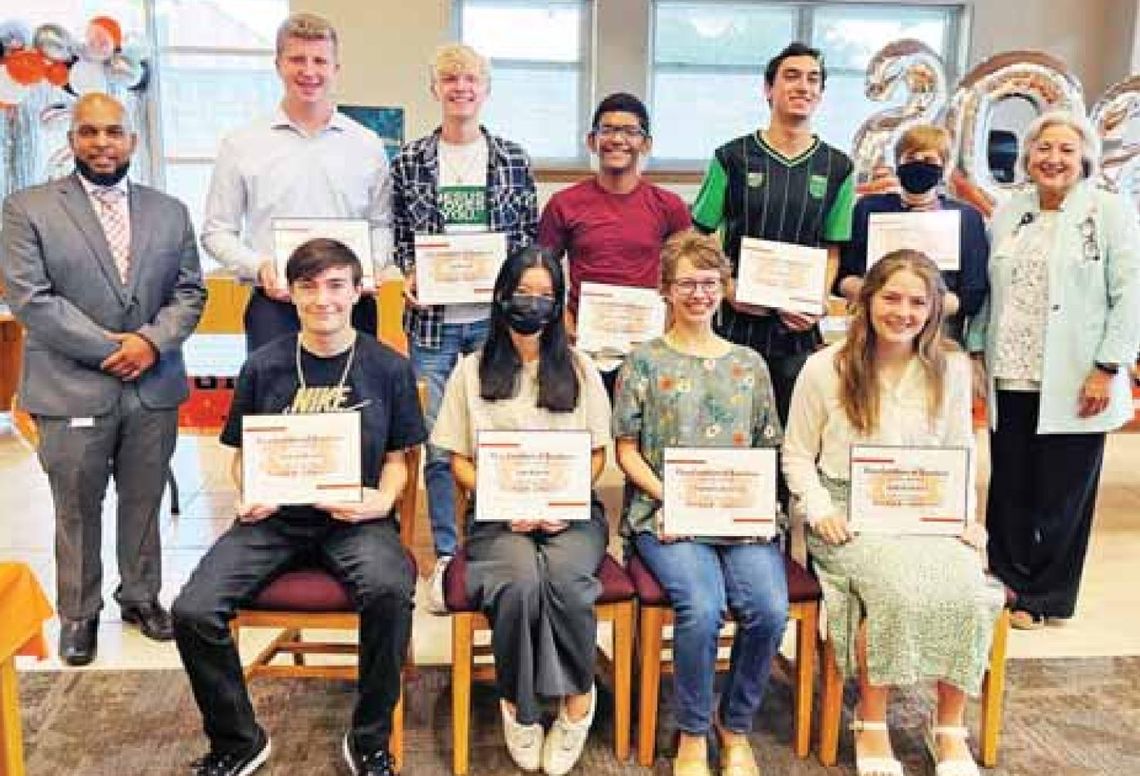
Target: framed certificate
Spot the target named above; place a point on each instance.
(532, 475)
(291, 233)
(728, 492)
(782, 275)
(937, 233)
(909, 490)
(301, 459)
(612, 320)
(458, 268)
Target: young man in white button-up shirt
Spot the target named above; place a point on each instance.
(305, 161)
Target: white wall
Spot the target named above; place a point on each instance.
(386, 44)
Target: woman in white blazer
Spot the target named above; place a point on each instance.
(1053, 345)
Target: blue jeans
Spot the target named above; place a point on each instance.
(434, 366)
(702, 580)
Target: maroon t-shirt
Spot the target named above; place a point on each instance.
(611, 238)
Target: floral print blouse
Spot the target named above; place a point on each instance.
(666, 398)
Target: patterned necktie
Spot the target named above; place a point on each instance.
(115, 228)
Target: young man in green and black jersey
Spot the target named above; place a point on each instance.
(779, 183)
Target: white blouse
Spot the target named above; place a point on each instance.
(1019, 349)
(820, 435)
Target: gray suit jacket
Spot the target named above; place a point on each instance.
(62, 284)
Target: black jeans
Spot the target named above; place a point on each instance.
(367, 557)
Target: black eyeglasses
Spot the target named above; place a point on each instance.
(629, 133)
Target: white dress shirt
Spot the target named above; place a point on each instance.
(274, 169)
(123, 205)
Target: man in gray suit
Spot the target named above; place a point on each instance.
(104, 276)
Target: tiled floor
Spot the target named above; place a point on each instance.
(1106, 622)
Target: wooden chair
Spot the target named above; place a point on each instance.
(470, 662)
(993, 695)
(313, 598)
(655, 651)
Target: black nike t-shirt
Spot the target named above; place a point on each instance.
(380, 386)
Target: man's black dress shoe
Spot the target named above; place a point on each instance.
(152, 619)
(77, 641)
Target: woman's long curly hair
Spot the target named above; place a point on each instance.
(855, 361)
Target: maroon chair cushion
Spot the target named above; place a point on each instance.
(802, 586)
(309, 589)
(616, 584)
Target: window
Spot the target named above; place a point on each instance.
(709, 56)
(215, 63)
(539, 55)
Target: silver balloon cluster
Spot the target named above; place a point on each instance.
(103, 60)
(1042, 80)
(908, 64)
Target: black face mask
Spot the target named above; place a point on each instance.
(527, 314)
(102, 178)
(919, 177)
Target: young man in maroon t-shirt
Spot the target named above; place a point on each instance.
(611, 227)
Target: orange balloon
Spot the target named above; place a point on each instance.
(111, 27)
(58, 73)
(26, 67)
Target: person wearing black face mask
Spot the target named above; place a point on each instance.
(922, 152)
(528, 314)
(535, 579)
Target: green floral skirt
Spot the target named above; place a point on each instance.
(928, 605)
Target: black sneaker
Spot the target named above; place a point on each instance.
(232, 763)
(377, 763)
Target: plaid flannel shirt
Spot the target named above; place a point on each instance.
(512, 208)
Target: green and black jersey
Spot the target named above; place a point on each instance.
(752, 190)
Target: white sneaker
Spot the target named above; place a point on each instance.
(566, 739)
(524, 742)
(437, 603)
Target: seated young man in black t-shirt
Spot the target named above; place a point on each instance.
(326, 367)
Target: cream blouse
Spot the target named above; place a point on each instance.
(819, 436)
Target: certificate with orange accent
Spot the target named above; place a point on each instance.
(783, 276)
(909, 490)
(612, 320)
(532, 475)
(355, 233)
(937, 233)
(458, 268)
(726, 492)
(301, 459)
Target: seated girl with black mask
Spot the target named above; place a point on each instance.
(534, 579)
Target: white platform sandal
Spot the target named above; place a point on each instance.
(875, 766)
(958, 767)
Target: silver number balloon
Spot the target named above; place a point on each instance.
(1043, 80)
(920, 70)
(1113, 116)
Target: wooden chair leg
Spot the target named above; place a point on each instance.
(462, 666)
(831, 703)
(993, 692)
(649, 681)
(807, 629)
(623, 676)
(396, 742)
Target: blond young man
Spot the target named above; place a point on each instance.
(460, 178)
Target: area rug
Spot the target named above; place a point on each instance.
(1062, 718)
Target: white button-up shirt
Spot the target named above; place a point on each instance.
(274, 169)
